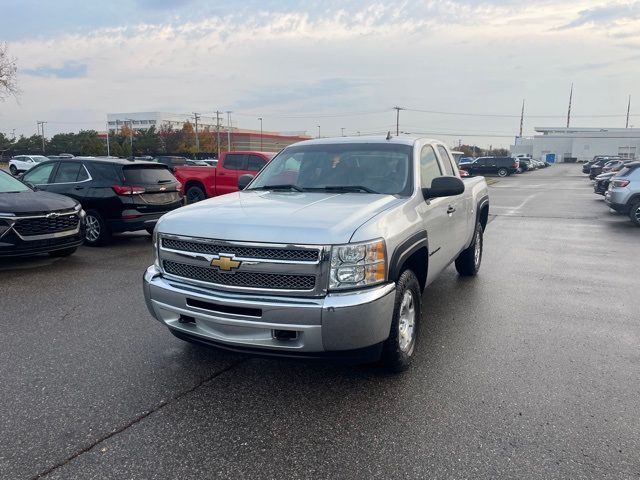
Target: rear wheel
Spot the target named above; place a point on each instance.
(468, 262)
(195, 194)
(398, 349)
(13, 170)
(64, 252)
(503, 172)
(96, 231)
(634, 213)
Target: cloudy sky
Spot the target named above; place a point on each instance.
(461, 68)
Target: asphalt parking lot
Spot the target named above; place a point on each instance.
(530, 370)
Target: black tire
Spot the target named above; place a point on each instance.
(503, 172)
(13, 170)
(467, 263)
(397, 352)
(97, 232)
(634, 213)
(64, 252)
(195, 194)
(150, 230)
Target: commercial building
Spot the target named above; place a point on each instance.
(579, 144)
(231, 138)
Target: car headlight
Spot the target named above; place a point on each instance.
(156, 246)
(357, 265)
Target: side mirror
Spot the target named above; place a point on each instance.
(244, 180)
(31, 185)
(446, 186)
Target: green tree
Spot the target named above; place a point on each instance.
(32, 144)
(147, 142)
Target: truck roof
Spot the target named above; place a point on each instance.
(403, 140)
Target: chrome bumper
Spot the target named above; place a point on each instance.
(337, 322)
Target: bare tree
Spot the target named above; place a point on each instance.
(8, 70)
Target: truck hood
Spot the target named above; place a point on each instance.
(278, 217)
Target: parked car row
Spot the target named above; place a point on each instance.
(620, 185)
(501, 166)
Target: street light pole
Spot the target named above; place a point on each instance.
(130, 133)
(318, 131)
(40, 124)
(260, 118)
(108, 153)
(342, 130)
(197, 116)
(228, 130)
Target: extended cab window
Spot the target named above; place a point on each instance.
(255, 163)
(39, 175)
(67, 172)
(446, 160)
(429, 168)
(233, 162)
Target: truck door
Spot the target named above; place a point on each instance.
(434, 216)
(227, 172)
(458, 208)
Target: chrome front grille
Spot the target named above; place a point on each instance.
(241, 279)
(266, 253)
(277, 269)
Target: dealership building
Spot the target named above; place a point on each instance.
(231, 138)
(561, 144)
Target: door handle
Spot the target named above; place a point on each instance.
(451, 209)
(221, 173)
(78, 188)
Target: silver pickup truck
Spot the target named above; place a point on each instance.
(325, 253)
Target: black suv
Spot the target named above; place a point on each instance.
(117, 195)
(502, 166)
(596, 168)
(37, 222)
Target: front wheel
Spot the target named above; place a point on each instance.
(634, 213)
(398, 349)
(503, 172)
(468, 262)
(13, 170)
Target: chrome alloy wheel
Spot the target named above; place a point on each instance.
(637, 214)
(92, 228)
(407, 322)
(477, 251)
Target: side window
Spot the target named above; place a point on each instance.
(429, 168)
(233, 162)
(446, 160)
(82, 174)
(67, 172)
(481, 162)
(255, 163)
(103, 172)
(40, 174)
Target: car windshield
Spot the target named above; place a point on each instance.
(8, 184)
(342, 167)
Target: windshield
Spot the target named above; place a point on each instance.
(8, 184)
(357, 167)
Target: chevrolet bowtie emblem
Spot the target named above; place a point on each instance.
(225, 263)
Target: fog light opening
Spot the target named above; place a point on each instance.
(186, 319)
(285, 335)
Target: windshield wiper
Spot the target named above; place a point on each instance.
(284, 186)
(348, 188)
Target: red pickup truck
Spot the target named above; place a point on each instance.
(199, 183)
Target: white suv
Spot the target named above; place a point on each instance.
(22, 163)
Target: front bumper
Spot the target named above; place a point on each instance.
(335, 323)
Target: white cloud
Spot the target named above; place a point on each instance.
(437, 55)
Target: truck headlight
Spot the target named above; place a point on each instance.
(156, 247)
(357, 265)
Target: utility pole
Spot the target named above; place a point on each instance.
(628, 110)
(342, 129)
(228, 130)
(318, 131)
(260, 118)
(521, 118)
(397, 109)
(569, 111)
(130, 133)
(107, 124)
(218, 131)
(197, 116)
(358, 132)
(13, 134)
(41, 124)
